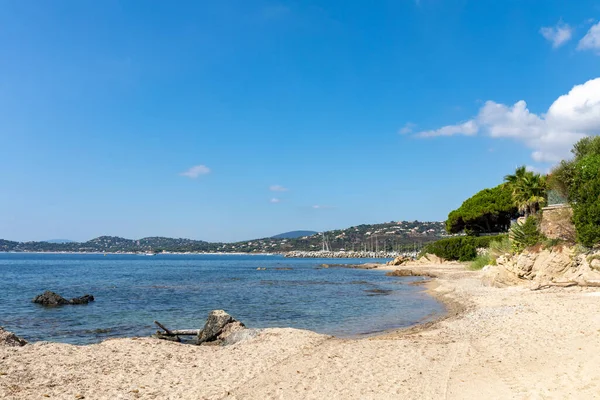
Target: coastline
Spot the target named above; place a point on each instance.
(290, 254)
(495, 343)
(137, 254)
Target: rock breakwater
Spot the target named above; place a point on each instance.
(344, 254)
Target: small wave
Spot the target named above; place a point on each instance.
(378, 292)
(99, 330)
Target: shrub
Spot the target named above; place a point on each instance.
(551, 243)
(481, 261)
(563, 176)
(526, 234)
(584, 192)
(499, 248)
(460, 248)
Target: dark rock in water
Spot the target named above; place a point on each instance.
(352, 266)
(9, 339)
(219, 326)
(52, 299)
(86, 298)
(49, 298)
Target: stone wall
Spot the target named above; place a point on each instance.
(557, 222)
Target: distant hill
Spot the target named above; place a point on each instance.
(389, 236)
(59, 241)
(294, 234)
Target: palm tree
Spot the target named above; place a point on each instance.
(528, 190)
(519, 174)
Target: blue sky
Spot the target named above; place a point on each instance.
(295, 114)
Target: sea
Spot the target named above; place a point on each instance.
(262, 291)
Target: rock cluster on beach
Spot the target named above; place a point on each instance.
(561, 265)
(218, 327)
(9, 339)
(409, 272)
(399, 261)
(51, 299)
(430, 259)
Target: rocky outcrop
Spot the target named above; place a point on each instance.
(560, 265)
(352, 266)
(430, 259)
(241, 336)
(218, 327)
(557, 223)
(400, 260)
(86, 298)
(51, 299)
(9, 339)
(409, 272)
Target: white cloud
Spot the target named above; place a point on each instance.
(537, 170)
(559, 34)
(195, 171)
(321, 207)
(591, 40)
(275, 200)
(467, 128)
(278, 188)
(407, 128)
(550, 135)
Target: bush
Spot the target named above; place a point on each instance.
(526, 234)
(499, 248)
(584, 192)
(579, 180)
(460, 248)
(481, 261)
(563, 176)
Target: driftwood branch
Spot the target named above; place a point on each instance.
(176, 332)
(171, 338)
(186, 332)
(161, 326)
(562, 285)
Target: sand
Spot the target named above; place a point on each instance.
(509, 343)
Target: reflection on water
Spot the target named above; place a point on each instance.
(179, 290)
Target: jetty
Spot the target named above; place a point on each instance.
(347, 254)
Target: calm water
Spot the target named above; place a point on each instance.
(179, 290)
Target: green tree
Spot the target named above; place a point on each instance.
(529, 190)
(562, 176)
(489, 210)
(584, 194)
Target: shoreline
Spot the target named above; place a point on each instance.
(493, 343)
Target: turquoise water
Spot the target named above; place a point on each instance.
(179, 290)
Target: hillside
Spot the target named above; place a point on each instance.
(391, 236)
(294, 234)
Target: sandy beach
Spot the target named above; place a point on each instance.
(509, 343)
